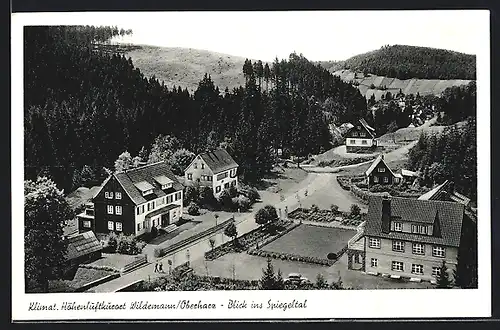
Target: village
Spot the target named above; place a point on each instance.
(367, 225)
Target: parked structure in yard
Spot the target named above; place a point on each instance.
(380, 173)
(215, 169)
(409, 238)
(134, 201)
(81, 248)
(360, 138)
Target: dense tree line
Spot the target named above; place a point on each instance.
(457, 103)
(83, 108)
(406, 62)
(451, 155)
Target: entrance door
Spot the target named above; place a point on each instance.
(165, 219)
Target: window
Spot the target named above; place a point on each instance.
(174, 214)
(233, 183)
(222, 176)
(364, 142)
(209, 178)
(111, 195)
(118, 210)
(438, 251)
(381, 169)
(398, 246)
(353, 141)
(414, 229)
(110, 209)
(397, 266)
(138, 226)
(153, 205)
(178, 196)
(169, 199)
(86, 224)
(202, 166)
(226, 185)
(422, 230)
(217, 189)
(142, 209)
(161, 201)
(436, 271)
(417, 269)
(374, 263)
(398, 226)
(386, 179)
(138, 210)
(375, 179)
(118, 226)
(106, 194)
(149, 207)
(111, 225)
(362, 134)
(118, 195)
(354, 133)
(190, 176)
(374, 243)
(195, 165)
(418, 248)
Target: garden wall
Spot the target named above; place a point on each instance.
(104, 279)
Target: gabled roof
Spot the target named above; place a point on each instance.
(377, 160)
(135, 179)
(365, 125)
(449, 214)
(218, 160)
(82, 244)
(163, 180)
(445, 192)
(434, 192)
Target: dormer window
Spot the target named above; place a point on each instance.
(144, 187)
(164, 182)
(398, 226)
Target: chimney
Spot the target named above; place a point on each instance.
(386, 214)
(382, 156)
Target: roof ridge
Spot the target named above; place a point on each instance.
(139, 167)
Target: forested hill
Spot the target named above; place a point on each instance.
(406, 62)
(83, 108)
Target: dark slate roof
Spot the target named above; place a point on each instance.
(218, 160)
(162, 210)
(128, 180)
(82, 244)
(370, 129)
(450, 217)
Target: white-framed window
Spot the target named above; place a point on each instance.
(375, 179)
(353, 141)
(226, 185)
(374, 263)
(398, 246)
(217, 189)
(362, 134)
(190, 176)
(398, 226)
(111, 225)
(397, 266)
(138, 226)
(169, 199)
(386, 179)
(118, 195)
(222, 176)
(118, 210)
(414, 229)
(86, 224)
(138, 210)
(374, 243)
(438, 251)
(418, 248)
(436, 271)
(210, 178)
(381, 169)
(417, 269)
(118, 226)
(106, 194)
(422, 229)
(110, 209)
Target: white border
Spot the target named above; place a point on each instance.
(321, 304)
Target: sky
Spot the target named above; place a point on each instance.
(318, 35)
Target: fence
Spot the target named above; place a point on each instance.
(140, 260)
(160, 252)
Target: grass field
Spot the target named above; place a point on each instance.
(311, 241)
(185, 67)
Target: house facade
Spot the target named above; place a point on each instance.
(380, 173)
(410, 238)
(360, 138)
(134, 201)
(215, 169)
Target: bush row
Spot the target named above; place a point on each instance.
(291, 257)
(123, 244)
(100, 267)
(344, 182)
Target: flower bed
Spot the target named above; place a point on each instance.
(344, 182)
(316, 216)
(293, 257)
(245, 241)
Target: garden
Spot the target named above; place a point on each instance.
(332, 216)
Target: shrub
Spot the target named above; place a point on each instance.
(249, 192)
(225, 199)
(129, 245)
(193, 209)
(314, 208)
(355, 210)
(232, 191)
(242, 202)
(190, 195)
(331, 256)
(206, 196)
(112, 242)
(334, 208)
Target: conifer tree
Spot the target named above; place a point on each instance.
(443, 280)
(268, 279)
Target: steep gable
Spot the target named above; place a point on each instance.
(218, 160)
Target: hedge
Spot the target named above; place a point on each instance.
(295, 257)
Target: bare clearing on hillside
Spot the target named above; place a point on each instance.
(185, 67)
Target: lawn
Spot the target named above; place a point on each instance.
(311, 241)
(81, 277)
(114, 260)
